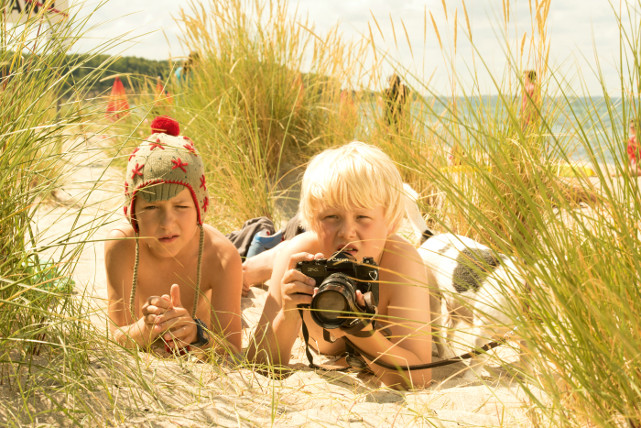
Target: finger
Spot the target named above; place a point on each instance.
(150, 319)
(181, 333)
(298, 299)
(295, 282)
(175, 296)
(360, 299)
(299, 257)
(173, 318)
(294, 275)
(162, 302)
(154, 310)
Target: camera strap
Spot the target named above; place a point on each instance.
(457, 359)
(358, 351)
(305, 331)
(357, 326)
(328, 338)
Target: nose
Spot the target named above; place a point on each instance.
(166, 217)
(348, 229)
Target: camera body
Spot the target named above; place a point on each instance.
(338, 278)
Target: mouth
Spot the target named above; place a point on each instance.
(348, 248)
(167, 239)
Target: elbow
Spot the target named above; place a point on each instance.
(407, 380)
(121, 338)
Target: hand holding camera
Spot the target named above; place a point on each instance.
(297, 289)
(338, 280)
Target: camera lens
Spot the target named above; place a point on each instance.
(331, 305)
(334, 301)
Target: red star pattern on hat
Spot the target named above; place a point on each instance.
(137, 169)
(133, 153)
(190, 146)
(156, 145)
(202, 182)
(178, 163)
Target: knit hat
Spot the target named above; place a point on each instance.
(162, 166)
(158, 169)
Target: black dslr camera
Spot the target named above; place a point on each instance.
(337, 279)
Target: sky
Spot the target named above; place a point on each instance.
(582, 34)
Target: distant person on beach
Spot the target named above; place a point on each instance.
(172, 280)
(351, 201)
(530, 101)
(396, 96)
(633, 150)
(182, 72)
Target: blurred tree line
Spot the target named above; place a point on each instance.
(134, 67)
(131, 69)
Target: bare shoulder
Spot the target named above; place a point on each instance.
(222, 274)
(399, 252)
(120, 239)
(402, 266)
(403, 276)
(218, 250)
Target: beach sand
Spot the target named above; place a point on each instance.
(184, 392)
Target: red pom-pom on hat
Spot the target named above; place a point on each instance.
(166, 125)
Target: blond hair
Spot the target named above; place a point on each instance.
(356, 175)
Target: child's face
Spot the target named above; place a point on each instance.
(171, 224)
(359, 231)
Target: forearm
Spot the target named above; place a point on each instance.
(382, 350)
(133, 335)
(273, 341)
(226, 342)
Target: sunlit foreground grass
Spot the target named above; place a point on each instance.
(255, 117)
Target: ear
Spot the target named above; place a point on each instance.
(174, 292)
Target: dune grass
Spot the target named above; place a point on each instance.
(581, 261)
(267, 93)
(44, 328)
(261, 99)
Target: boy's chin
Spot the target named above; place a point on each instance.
(163, 250)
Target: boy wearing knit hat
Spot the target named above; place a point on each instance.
(171, 279)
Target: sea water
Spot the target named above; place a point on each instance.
(583, 129)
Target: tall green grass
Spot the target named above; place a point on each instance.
(44, 328)
(574, 238)
(581, 261)
(262, 99)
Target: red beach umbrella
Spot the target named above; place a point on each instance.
(118, 105)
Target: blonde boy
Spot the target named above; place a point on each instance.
(170, 278)
(351, 201)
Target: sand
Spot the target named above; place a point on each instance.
(197, 394)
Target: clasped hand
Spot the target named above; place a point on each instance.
(164, 316)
